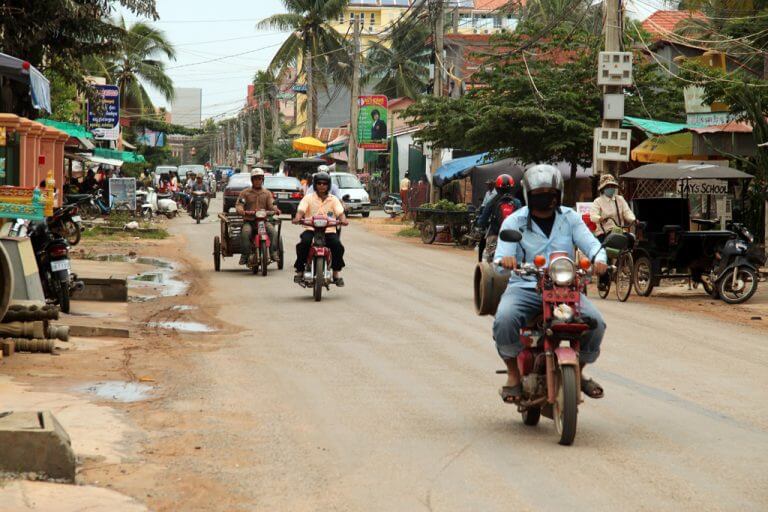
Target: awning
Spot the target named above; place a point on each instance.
(654, 127)
(696, 171)
(666, 149)
(457, 168)
(22, 71)
(122, 156)
(106, 161)
(73, 130)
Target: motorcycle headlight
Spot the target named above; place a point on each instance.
(562, 271)
(320, 223)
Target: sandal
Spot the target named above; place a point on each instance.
(339, 281)
(592, 389)
(511, 394)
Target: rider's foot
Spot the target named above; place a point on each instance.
(591, 388)
(339, 281)
(243, 259)
(298, 276)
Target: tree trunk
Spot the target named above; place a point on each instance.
(275, 112)
(573, 187)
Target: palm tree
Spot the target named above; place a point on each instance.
(137, 62)
(399, 66)
(312, 41)
(266, 90)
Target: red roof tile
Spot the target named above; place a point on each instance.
(662, 23)
(492, 5)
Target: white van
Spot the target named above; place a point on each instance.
(349, 185)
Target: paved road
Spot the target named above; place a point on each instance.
(383, 398)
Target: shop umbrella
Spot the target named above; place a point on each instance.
(665, 149)
(308, 145)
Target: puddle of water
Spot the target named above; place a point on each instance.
(183, 308)
(119, 391)
(124, 258)
(183, 326)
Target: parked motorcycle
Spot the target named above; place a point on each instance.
(393, 206)
(66, 223)
(198, 205)
(550, 373)
(52, 255)
(317, 271)
(735, 274)
(260, 258)
(157, 204)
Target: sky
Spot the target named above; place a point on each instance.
(219, 29)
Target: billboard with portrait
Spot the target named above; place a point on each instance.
(372, 123)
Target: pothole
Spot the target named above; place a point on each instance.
(182, 326)
(117, 390)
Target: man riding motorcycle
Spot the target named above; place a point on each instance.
(255, 198)
(546, 228)
(491, 214)
(199, 186)
(321, 202)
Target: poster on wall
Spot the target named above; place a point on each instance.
(372, 123)
(122, 191)
(106, 124)
(151, 138)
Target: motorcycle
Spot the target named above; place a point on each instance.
(154, 204)
(197, 205)
(735, 273)
(52, 256)
(393, 206)
(66, 223)
(317, 271)
(260, 258)
(486, 241)
(550, 372)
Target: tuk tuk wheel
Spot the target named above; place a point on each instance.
(216, 254)
(643, 276)
(428, 232)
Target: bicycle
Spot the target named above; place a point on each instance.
(622, 272)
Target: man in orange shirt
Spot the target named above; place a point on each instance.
(320, 203)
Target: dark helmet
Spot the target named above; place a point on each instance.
(321, 176)
(504, 184)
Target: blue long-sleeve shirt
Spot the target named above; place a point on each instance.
(568, 231)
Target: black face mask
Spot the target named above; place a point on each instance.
(541, 202)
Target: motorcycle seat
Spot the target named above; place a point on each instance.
(706, 223)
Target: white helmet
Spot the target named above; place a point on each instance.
(257, 171)
(323, 168)
(542, 176)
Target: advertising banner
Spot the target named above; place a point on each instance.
(106, 125)
(372, 123)
(151, 138)
(122, 191)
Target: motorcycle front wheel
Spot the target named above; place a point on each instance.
(62, 295)
(264, 257)
(319, 278)
(745, 288)
(566, 406)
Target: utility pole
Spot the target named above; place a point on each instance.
(612, 33)
(353, 103)
(262, 125)
(250, 131)
(310, 95)
(274, 104)
(437, 89)
(240, 153)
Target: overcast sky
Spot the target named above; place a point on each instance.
(218, 29)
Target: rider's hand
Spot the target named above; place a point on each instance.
(295, 221)
(344, 222)
(509, 262)
(601, 268)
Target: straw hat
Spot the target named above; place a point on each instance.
(606, 180)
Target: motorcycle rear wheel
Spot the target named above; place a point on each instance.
(624, 269)
(71, 232)
(565, 411)
(319, 278)
(264, 257)
(62, 295)
(603, 293)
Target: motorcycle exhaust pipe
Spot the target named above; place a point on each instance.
(77, 286)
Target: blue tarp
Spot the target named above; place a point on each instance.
(458, 168)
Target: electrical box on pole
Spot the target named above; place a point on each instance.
(612, 144)
(613, 106)
(614, 68)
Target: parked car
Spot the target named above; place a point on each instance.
(193, 168)
(236, 184)
(356, 198)
(286, 190)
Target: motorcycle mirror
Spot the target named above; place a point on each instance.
(511, 235)
(616, 241)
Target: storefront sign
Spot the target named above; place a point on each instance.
(702, 187)
(704, 119)
(106, 125)
(372, 123)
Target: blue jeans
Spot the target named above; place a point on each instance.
(519, 306)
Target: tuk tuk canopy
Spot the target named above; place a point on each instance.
(685, 171)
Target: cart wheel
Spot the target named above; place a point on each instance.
(624, 268)
(603, 293)
(216, 253)
(428, 232)
(281, 255)
(643, 276)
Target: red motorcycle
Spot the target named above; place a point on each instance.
(260, 257)
(550, 373)
(317, 271)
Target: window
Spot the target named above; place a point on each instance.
(497, 22)
(341, 17)
(373, 19)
